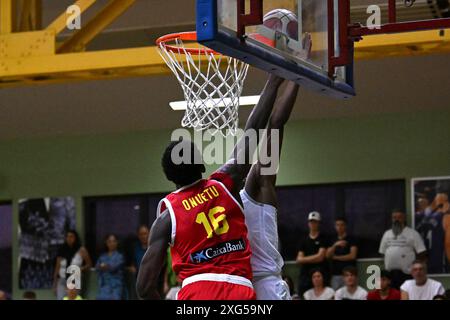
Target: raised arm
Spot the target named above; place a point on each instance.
(256, 121)
(153, 260)
(260, 186)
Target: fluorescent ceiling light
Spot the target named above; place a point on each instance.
(243, 101)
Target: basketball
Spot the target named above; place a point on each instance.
(282, 20)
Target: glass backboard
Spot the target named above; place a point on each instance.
(250, 30)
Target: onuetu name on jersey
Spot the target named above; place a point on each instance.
(225, 310)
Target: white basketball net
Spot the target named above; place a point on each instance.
(212, 85)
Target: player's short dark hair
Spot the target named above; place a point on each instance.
(341, 219)
(350, 269)
(183, 173)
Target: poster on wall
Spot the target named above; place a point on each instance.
(42, 226)
(431, 210)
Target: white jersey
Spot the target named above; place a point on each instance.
(261, 221)
(427, 291)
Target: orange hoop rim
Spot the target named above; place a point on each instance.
(185, 36)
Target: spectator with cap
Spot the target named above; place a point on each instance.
(385, 292)
(342, 253)
(400, 246)
(420, 287)
(311, 254)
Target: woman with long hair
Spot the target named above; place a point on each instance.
(319, 291)
(71, 253)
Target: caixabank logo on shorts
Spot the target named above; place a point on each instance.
(219, 250)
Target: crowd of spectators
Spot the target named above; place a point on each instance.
(328, 269)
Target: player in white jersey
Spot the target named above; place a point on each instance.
(260, 208)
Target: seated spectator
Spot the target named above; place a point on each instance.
(3, 295)
(173, 292)
(342, 253)
(385, 292)
(29, 295)
(400, 246)
(72, 294)
(110, 271)
(291, 286)
(351, 290)
(312, 254)
(421, 287)
(71, 253)
(318, 291)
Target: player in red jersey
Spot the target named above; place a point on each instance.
(203, 221)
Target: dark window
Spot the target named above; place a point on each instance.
(120, 215)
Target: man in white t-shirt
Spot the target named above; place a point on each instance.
(421, 287)
(351, 290)
(400, 246)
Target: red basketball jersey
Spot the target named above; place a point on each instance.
(209, 234)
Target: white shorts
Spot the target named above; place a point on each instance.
(271, 288)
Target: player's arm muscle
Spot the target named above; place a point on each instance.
(257, 120)
(153, 260)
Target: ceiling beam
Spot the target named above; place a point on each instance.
(7, 16)
(60, 23)
(87, 33)
(39, 64)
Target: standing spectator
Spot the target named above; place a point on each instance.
(351, 290)
(400, 246)
(136, 254)
(140, 248)
(319, 291)
(342, 253)
(71, 253)
(385, 292)
(110, 271)
(420, 287)
(312, 253)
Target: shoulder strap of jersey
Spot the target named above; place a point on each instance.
(163, 205)
(229, 193)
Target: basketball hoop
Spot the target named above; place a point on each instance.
(211, 82)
